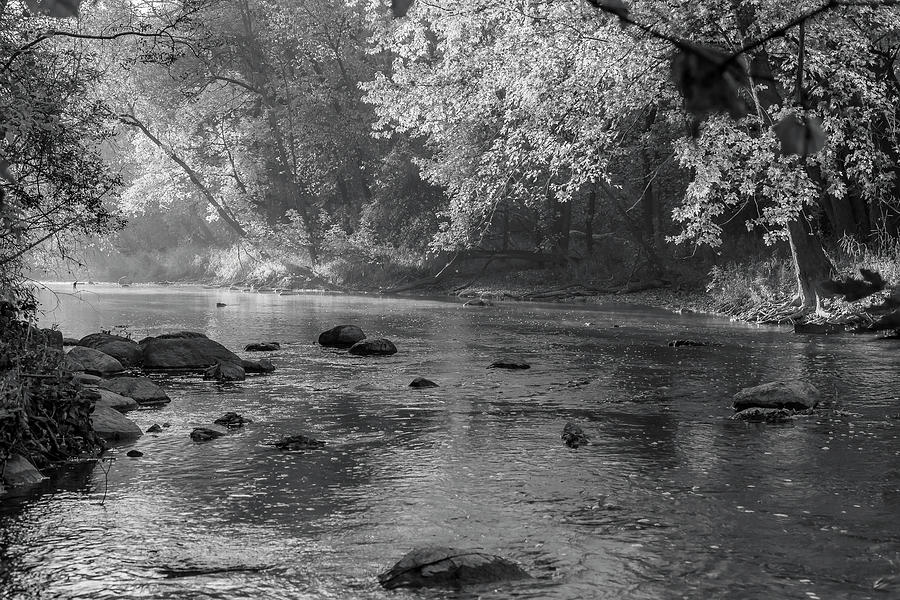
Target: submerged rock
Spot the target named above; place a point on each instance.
(341, 336)
(298, 442)
(142, 389)
(93, 362)
(155, 428)
(765, 415)
(421, 382)
(111, 425)
(478, 302)
(232, 419)
(509, 364)
(680, 343)
(573, 436)
(795, 395)
(225, 371)
(438, 566)
(373, 347)
(185, 350)
(262, 347)
(204, 434)
(134, 453)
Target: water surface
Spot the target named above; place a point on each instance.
(672, 499)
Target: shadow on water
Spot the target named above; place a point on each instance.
(671, 499)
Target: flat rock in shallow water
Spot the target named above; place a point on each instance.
(143, 390)
(298, 442)
(373, 347)
(509, 364)
(795, 395)
(439, 566)
(111, 425)
(421, 382)
(262, 347)
(689, 343)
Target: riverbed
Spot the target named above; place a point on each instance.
(672, 498)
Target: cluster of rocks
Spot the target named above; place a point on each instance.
(355, 341)
(99, 362)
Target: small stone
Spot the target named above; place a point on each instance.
(167, 424)
(155, 428)
(373, 347)
(204, 434)
(573, 436)
(681, 343)
(220, 305)
(134, 453)
(421, 382)
(225, 371)
(509, 364)
(232, 419)
(262, 347)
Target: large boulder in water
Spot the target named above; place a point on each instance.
(124, 350)
(342, 336)
(439, 566)
(373, 347)
(185, 350)
(92, 361)
(794, 395)
(112, 425)
(141, 389)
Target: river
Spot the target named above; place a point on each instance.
(671, 500)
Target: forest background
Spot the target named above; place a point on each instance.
(751, 147)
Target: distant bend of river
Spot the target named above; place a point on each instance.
(671, 500)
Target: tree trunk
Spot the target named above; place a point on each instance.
(811, 265)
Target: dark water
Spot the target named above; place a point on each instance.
(672, 499)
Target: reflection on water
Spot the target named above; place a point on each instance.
(671, 500)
